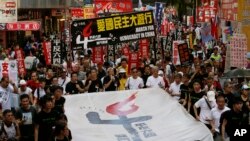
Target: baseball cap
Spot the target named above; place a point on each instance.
(22, 82)
(211, 96)
(245, 87)
(160, 72)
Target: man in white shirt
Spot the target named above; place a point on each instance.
(216, 113)
(205, 104)
(24, 89)
(134, 82)
(174, 89)
(155, 80)
(6, 88)
(63, 80)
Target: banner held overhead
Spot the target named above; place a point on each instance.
(112, 30)
(141, 115)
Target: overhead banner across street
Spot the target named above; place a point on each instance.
(141, 115)
(112, 30)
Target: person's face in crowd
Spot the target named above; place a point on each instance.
(124, 64)
(99, 66)
(147, 70)
(63, 75)
(23, 87)
(34, 76)
(209, 69)
(215, 51)
(134, 73)
(50, 73)
(245, 92)
(155, 72)
(55, 81)
(177, 80)
(9, 117)
(49, 105)
(76, 67)
(238, 106)
(25, 103)
(220, 103)
(228, 88)
(197, 86)
(197, 68)
(43, 85)
(93, 74)
(185, 79)
(86, 63)
(5, 83)
(74, 78)
(111, 71)
(58, 93)
(210, 82)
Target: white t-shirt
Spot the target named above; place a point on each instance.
(168, 70)
(216, 114)
(153, 82)
(5, 97)
(63, 83)
(205, 112)
(175, 89)
(29, 60)
(27, 91)
(134, 84)
(41, 93)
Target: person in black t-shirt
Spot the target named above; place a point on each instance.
(58, 99)
(25, 116)
(93, 84)
(111, 82)
(74, 86)
(45, 120)
(228, 95)
(146, 74)
(233, 120)
(100, 71)
(185, 89)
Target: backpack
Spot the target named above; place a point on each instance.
(3, 133)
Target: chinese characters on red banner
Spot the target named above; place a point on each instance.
(98, 53)
(20, 61)
(47, 52)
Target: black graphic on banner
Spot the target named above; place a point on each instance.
(184, 54)
(112, 30)
(56, 52)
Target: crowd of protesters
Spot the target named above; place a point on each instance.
(40, 117)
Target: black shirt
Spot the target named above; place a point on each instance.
(101, 74)
(46, 122)
(145, 78)
(27, 128)
(113, 85)
(71, 87)
(59, 104)
(229, 98)
(95, 85)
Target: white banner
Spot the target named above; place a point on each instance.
(142, 115)
(9, 68)
(8, 11)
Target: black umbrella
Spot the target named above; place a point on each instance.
(237, 73)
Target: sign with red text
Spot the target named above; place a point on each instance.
(113, 6)
(175, 53)
(23, 25)
(76, 13)
(183, 53)
(8, 11)
(229, 9)
(9, 68)
(20, 61)
(133, 60)
(47, 52)
(97, 55)
(144, 48)
(126, 51)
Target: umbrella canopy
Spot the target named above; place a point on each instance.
(237, 73)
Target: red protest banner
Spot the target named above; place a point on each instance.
(97, 55)
(20, 61)
(47, 52)
(133, 61)
(126, 51)
(144, 48)
(113, 6)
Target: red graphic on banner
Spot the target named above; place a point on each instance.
(47, 52)
(124, 107)
(20, 61)
(113, 6)
(133, 61)
(23, 25)
(97, 55)
(87, 30)
(144, 48)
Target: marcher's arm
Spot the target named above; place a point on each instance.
(36, 132)
(196, 113)
(223, 127)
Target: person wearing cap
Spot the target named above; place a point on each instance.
(63, 80)
(245, 99)
(122, 79)
(24, 89)
(161, 73)
(124, 65)
(205, 104)
(233, 119)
